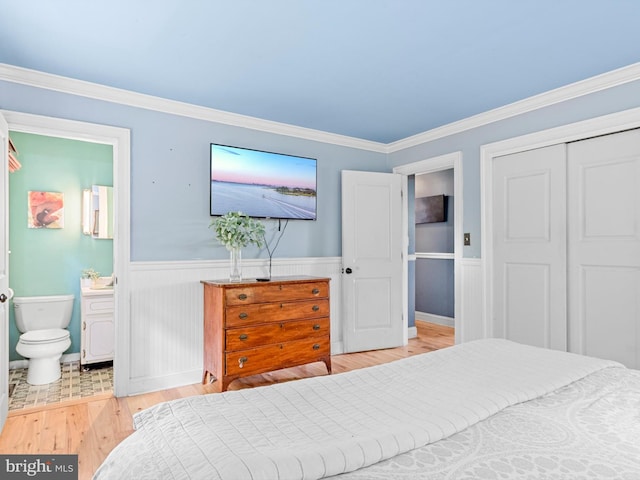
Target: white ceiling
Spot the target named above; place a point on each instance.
(379, 70)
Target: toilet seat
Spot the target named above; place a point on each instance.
(43, 337)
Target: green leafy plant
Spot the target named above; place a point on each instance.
(237, 230)
(90, 273)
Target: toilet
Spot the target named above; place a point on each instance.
(42, 321)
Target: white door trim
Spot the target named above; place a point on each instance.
(431, 165)
(119, 139)
(602, 125)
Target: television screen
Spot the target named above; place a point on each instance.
(430, 209)
(262, 184)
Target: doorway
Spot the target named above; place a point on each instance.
(48, 257)
(119, 139)
(453, 162)
(434, 202)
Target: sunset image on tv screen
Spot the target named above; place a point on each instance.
(262, 184)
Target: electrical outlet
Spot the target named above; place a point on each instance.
(467, 239)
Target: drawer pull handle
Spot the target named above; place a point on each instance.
(315, 308)
(243, 315)
(244, 336)
(241, 361)
(316, 346)
(315, 291)
(242, 296)
(316, 327)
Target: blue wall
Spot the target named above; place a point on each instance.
(470, 141)
(169, 167)
(170, 170)
(50, 261)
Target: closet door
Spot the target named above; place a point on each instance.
(604, 247)
(529, 247)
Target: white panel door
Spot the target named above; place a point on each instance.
(5, 292)
(529, 262)
(372, 260)
(604, 247)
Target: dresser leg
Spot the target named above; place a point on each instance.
(224, 383)
(207, 377)
(327, 362)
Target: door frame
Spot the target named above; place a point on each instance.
(448, 161)
(602, 125)
(119, 139)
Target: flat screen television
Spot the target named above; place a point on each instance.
(431, 209)
(262, 184)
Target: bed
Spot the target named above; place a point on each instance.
(489, 409)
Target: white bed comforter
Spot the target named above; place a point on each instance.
(323, 426)
(588, 430)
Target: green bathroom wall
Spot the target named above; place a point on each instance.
(50, 261)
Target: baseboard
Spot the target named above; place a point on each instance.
(437, 319)
(413, 332)
(15, 364)
(70, 357)
(153, 384)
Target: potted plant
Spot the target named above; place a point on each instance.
(236, 230)
(89, 276)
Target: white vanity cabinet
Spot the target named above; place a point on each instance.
(97, 329)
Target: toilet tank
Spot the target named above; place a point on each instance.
(39, 313)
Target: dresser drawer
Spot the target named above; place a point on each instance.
(305, 351)
(257, 335)
(275, 293)
(274, 357)
(275, 312)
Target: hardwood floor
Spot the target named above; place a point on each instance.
(91, 428)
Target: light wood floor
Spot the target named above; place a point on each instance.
(91, 428)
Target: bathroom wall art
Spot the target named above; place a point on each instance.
(46, 210)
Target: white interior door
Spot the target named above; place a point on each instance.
(604, 247)
(372, 260)
(5, 292)
(529, 262)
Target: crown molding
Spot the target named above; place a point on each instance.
(594, 84)
(96, 91)
(34, 78)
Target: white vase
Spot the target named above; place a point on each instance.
(235, 258)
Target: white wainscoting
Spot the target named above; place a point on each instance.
(166, 314)
(472, 326)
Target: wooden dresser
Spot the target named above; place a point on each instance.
(254, 327)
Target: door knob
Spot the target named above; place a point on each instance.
(348, 270)
(4, 298)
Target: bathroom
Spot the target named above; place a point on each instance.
(49, 261)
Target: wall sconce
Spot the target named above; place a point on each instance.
(86, 211)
